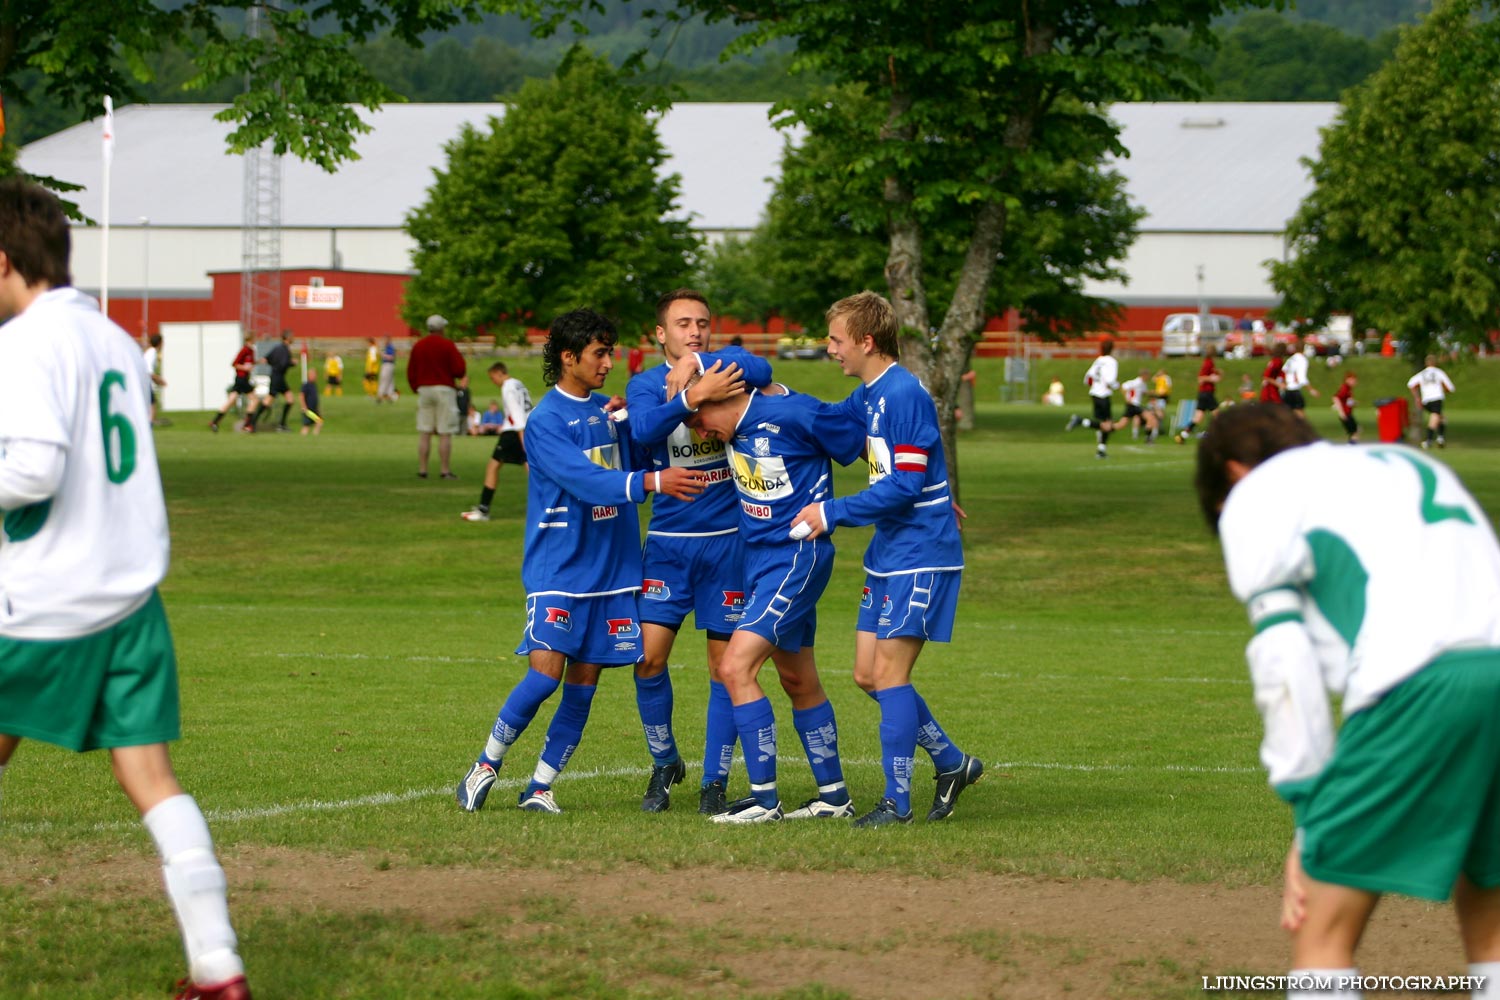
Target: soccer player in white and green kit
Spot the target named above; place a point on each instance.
(1393, 602)
(86, 658)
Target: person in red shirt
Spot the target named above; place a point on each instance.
(1271, 383)
(1343, 405)
(1208, 400)
(244, 361)
(435, 371)
(635, 359)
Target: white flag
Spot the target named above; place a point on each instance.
(109, 130)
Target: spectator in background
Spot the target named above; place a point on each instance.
(1054, 395)
(242, 388)
(1271, 382)
(312, 417)
(492, 419)
(1343, 406)
(435, 371)
(333, 372)
(152, 358)
(635, 360)
(1429, 387)
(372, 369)
(387, 386)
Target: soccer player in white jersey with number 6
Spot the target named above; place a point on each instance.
(915, 559)
(1405, 796)
(86, 657)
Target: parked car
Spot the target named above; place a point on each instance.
(806, 348)
(1187, 333)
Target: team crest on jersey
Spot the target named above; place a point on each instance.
(560, 618)
(761, 447)
(655, 590)
(622, 628)
(865, 601)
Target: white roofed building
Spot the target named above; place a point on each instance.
(1218, 183)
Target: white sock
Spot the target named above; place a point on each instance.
(1491, 973)
(196, 886)
(1332, 976)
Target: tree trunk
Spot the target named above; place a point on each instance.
(903, 265)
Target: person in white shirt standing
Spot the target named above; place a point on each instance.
(515, 400)
(1294, 375)
(1102, 379)
(1429, 387)
(86, 657)
(1405, 796)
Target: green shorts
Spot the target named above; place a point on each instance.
(1411, 797)
(115, 688)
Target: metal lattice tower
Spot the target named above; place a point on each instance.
(260, 247)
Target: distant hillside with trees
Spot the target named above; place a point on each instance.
(1311, 53)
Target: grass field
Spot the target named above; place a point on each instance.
(345, 641)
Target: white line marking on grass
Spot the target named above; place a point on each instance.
(1127, 680)
(304, 807)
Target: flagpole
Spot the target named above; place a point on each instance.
(109, 155)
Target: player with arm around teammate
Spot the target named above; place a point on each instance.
(1405, 796)
(692, 556)
(779, 449)
(581, 565)
(86, 655)
(915, 560)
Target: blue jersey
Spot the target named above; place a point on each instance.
(780, 462)
(908, 499)
(582, 535)
(656, 424)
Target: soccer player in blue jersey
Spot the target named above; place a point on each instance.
(915, 558)
(692, 557)
(779, 457)
(581, 567)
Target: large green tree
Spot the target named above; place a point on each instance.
(811, 248)
(980, 103)
(558, 205)
(1400, 228)
(302, 78)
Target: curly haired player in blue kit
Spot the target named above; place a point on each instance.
(692, 558)
(915, 559)
(581, 566)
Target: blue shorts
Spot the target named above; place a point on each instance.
(917, 604)
(601, 630)
(785, 582)
(704, 575)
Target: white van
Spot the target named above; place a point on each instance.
(1186, 333)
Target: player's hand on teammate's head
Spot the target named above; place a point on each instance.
(718, 383)
(682, 484)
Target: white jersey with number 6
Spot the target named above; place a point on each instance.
(94, 552)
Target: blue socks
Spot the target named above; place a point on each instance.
(898, 742)
(563, 735)
(516, 714)
(653, 697)
(930, 736)
(756, 724)
(820, 738)
(720, 735)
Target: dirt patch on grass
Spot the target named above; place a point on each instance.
(866, 936)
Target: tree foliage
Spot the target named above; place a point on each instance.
(299, 81)
(809, 250)
(1273, 57)
(558, 205)
(1399, 228)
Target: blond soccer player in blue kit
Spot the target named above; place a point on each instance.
(86, 656)
(1404, 797)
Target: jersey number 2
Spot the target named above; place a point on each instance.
(119, 435)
